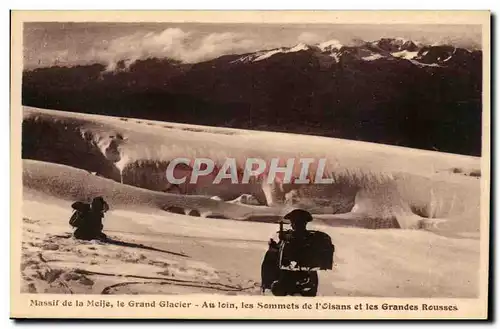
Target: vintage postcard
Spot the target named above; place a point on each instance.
(250, 164)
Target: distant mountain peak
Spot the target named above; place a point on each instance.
(395, 44)
(357, 91)
(264, 54)
(330, 45)
(384, 48)
(299, 47)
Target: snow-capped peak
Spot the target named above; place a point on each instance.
(330, 45)
(261, 55)
(298, 47)
(267, 54)
(384, 48)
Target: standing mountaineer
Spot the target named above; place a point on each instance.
(290, 266)
(87, 218)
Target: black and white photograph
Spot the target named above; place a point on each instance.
(280, 160)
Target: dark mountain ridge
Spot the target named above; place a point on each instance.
(390, 91)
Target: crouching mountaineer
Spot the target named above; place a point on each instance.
(87, 219)
(290, 265)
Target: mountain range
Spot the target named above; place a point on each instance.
(392, 91)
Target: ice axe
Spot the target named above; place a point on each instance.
(281, 230)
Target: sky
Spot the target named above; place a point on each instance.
(48, 44)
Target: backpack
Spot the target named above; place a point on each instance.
(77, 218)
(315, 252)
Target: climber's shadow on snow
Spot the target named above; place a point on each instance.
(141, 246)
(109, 240)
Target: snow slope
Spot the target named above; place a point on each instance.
(176, 254)
(433, 197)
(382, 180)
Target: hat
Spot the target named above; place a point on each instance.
(100, 200)
(299, 214)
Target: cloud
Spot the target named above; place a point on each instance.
(309, 38)
(173, 43)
